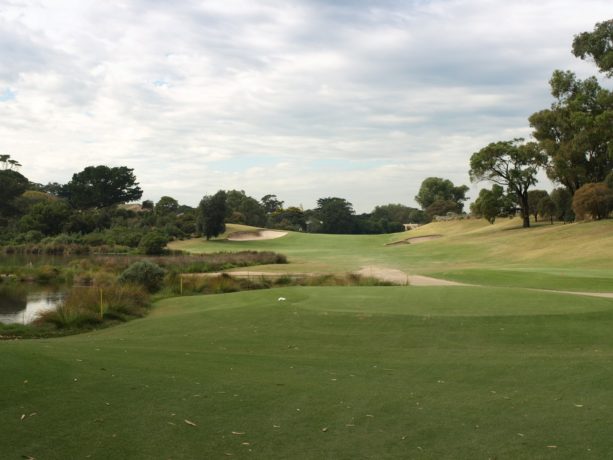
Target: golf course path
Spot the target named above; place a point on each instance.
(607, 295)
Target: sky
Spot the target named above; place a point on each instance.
(304, 99)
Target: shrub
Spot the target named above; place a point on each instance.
(144, 273)
(593, 200)
(153, 243)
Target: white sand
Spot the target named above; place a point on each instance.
(257, 235)
(400, 277)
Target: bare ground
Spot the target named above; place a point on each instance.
(416, 240)
(257, 235)
(400, 277)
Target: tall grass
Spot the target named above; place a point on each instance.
(225, 282)
(90, 306)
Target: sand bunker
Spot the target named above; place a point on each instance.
(416, 240)
(256, 235)
(399, 277)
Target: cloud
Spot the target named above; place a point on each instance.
(303, 99)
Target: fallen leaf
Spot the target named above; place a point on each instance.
(324, 429)
(189, 422)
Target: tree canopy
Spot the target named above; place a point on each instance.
(102, 186)
(12, 185)
(335, 214)
(512, 164)
(438, 196)
(597, 45)
(212, 214)
(575, 132)
(492, 203)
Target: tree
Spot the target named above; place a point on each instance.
(6, 164)
(593, 200)
(271, 204)
(336, 215)
(437, 189)
(12, 185)
(166, 205)
(102, 186)
(597, 45)
(511, 164)
(442, 208)
(48, 217)
(211, 215)
(292, 218)
(563, 201)
(546, 207)
(244, 209)
(534, 196)
(394, 213)
(575, 132)
(492, 203)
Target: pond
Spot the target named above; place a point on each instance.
(21, 303)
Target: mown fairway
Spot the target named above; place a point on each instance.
(565, 257)
(381, 372)
(343, 372)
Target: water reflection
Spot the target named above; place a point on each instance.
(22, 303)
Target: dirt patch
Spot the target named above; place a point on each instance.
(419, 280)
(607, 295)
(399, 277)
(416, 240)
(248, 274)
(256, 235)
(385, 274)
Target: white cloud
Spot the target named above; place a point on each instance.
(302, 99)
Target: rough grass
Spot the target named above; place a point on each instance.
(343, 373)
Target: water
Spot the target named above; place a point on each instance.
(22, 303)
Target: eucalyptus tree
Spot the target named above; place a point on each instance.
(511, 164)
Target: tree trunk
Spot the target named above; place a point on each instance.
(526, 223)
(525, 209)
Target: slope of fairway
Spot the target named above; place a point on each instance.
(567, 257)
(339, 373)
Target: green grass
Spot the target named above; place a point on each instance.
(560, 256)
(496, 371)
(388, 372)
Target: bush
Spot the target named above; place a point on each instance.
(144, 273)
(153, 243)
(593, 200)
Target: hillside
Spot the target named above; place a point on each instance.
(572, 256)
